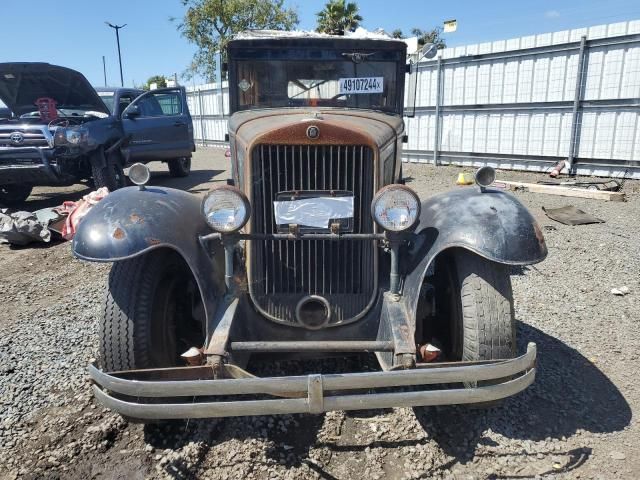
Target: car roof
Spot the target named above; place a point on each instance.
(118, 89)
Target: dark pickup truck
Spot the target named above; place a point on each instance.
(62, 131)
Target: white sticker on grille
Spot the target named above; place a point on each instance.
(313, 212)
(361, 85)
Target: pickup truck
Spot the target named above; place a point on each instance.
(63, 131)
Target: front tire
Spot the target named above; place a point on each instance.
(482, 320)
(150, 313)
(107, 173)
(180, 167)
(14, 194)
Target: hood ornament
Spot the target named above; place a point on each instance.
(357, 57)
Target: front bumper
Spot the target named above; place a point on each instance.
(29, 165)
(311, 393)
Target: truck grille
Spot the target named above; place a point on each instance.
(31, 137)
(283, 272)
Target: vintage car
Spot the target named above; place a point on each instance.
(315, 247)
(61, 131)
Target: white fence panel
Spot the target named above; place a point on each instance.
(510, 103)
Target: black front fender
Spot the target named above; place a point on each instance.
(492, 224)
(130, 222)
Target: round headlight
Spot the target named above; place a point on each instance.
(226, 209)
(396, 208)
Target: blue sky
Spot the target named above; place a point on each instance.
(72, 32)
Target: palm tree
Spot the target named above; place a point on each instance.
(338, 17)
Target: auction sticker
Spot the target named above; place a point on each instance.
(361, 85)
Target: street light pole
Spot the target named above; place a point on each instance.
(117, 29)
(104, 70)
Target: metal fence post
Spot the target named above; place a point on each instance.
(575, 113)
(201, 117)
(219, 77)
(436, 139)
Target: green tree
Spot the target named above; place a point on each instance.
(430, 36)
(397, 33)
(210, 24)
(160, 80)
(338, 17)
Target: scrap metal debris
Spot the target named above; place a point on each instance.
(603, 185)
(22, 228)
(571, 215)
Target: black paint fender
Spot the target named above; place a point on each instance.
(491, 223)
(130, 222)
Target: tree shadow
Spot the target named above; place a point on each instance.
(569, 394)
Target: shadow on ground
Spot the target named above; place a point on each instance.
(569, 394)
(52, 198)
(196, 182)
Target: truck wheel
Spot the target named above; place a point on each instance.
(152, 313)
(11, 195)
(482, 321)
(482, 324)
(108, 173)
(180, 167)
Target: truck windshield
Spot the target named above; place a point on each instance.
(295, 83)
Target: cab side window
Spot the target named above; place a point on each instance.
(161, 104)
(124, 101)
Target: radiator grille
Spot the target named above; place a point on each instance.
(282, 272)
(31, 137)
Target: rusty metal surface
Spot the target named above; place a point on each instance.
(280, 274)
(320, 389)
(493, 224)
(130, 222)
(220, 327)
(337, 127)
(314, 346)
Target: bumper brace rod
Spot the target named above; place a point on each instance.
(321, 390)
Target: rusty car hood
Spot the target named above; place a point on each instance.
(22, 83)
(337, 126)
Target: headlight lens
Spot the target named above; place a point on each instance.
(73, 136)
(396, 208)
(69, 135)
(226, 209)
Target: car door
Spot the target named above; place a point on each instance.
(159, 126)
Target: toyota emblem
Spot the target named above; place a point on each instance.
(17, 138)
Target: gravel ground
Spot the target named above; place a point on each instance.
(576, 421)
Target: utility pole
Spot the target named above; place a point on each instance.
(104, 70)
(117, 29)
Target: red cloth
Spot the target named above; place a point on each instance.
(77, 210)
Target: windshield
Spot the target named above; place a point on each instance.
(294, 83)
(107, 98)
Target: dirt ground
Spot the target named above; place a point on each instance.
(578, 420)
